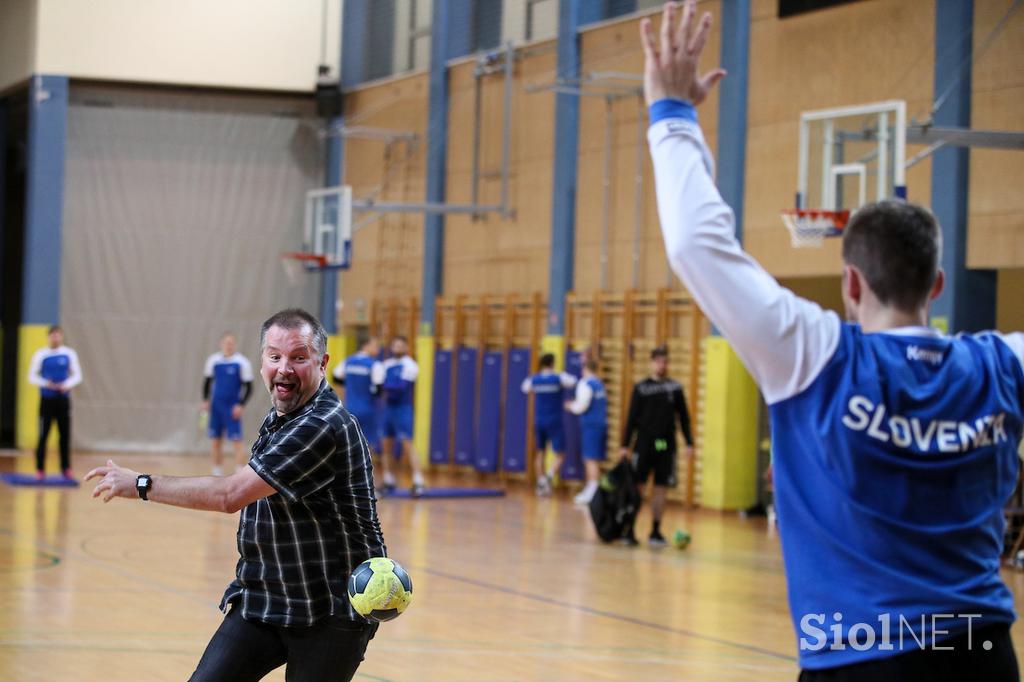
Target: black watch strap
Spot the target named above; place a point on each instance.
(142, 485)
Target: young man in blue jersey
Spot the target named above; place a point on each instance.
(362, 376)
(400, 373)
(548, 387)
(226, 387)
(591, 404)
(55, 371)
(895, 446)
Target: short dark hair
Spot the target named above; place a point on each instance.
(296, 318)
(366, 339)
(591, 364)
(659, 352)
(897, 245)
(547, 360)
(54, 328)
(399, 337)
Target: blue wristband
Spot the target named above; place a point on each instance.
(672, 108)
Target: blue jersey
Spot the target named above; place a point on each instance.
(54, 365)
(548, 389)
(596, 414)
(891, 426)
(399, 381)
(363, 375)
(228, 374)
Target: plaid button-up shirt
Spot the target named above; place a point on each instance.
(297, 548)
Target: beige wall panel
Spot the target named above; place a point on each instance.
(615, 46)
(996, 208)
(387, 253)
(494, 255)
(863, 52)
(1009, 304)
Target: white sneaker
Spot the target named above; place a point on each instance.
(584, 497)
(543, 486)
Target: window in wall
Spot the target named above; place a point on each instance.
(541, 19)
(420, 18)
(486, 24)
(380, 39)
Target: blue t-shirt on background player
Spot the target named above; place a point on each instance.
(400, 375)
(591, 404)
(57, 366)
(363, 376)
(227, 375)
(548, 388)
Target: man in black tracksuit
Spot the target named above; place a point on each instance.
(656, 403)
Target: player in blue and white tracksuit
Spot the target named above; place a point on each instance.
(227, 386)
(400, 373)
(55, 370)
(591, 404)
(548, 388)
(362, 375)
(895, 446)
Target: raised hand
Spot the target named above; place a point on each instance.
(670, 68)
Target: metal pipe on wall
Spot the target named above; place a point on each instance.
(638, 191)
(606, 185)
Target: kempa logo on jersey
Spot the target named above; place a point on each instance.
(924, 354)
(864, 636)
(947, 436)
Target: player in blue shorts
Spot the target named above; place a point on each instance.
(591, 404)
(895, 445)
(226, 388)
(362, 375)
(547, 387)
(400, 372)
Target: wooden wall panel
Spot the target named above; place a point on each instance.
(852, 54)
(615, 46)
(494, 255)
(996, 210)
(387, 252)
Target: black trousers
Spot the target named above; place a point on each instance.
(996, 664)
(242, 650)
(54, 409)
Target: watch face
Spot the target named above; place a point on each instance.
(144, 481)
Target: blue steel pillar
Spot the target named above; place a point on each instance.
(732, 106)
(571, 15)
(353, 51)
(968, 302)
(44, 204)
(450, 38)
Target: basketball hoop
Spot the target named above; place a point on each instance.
(297, 262)
(808, 228)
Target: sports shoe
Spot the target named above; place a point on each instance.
(543, 486)
(417, 490)
(657, 539)
(584, 496)
(40, 475)
(629, 540)
(68, 474)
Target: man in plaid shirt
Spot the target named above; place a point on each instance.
(308, 518)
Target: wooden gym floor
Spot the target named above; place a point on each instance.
(505, 589)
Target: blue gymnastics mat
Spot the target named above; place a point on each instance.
(30, 480)
(450, 493)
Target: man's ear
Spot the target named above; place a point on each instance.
(853, 283)
(323, 362)
(940, 284)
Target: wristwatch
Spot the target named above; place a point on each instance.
(142, 484)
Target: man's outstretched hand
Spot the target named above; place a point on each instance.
(114, 482)
(670, 68)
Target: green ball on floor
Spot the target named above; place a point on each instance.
(681, 540)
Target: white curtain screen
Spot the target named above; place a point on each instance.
(177, 208)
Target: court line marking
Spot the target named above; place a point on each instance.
(608, 614)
